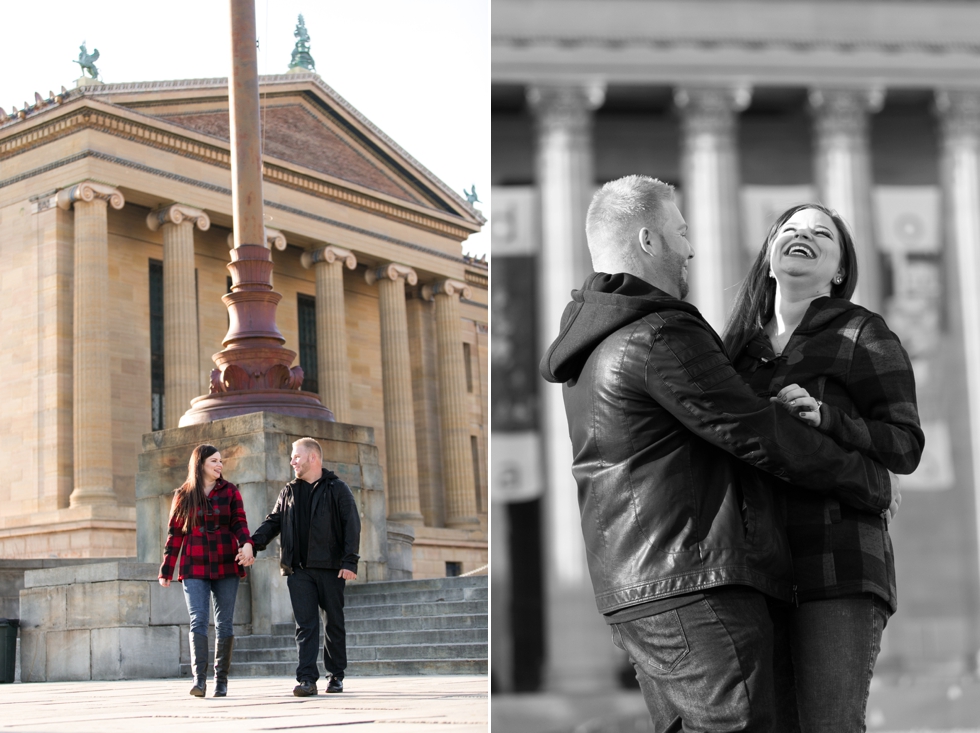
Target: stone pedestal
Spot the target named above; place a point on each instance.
(401, 537)
(255, 449)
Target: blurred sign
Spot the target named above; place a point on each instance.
(514, 228)
(907, 218)
(515, 467)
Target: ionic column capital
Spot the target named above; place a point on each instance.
(959, 113)
(329, 254)
(391, 271)
(711, 109)
(844, 111)
(175, 214)
(273, 238)
(565, 106)
(90, 191)
(445, 287)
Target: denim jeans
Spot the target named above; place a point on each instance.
(824, 658)
(198, 592)
(706, 666)
(310, 590)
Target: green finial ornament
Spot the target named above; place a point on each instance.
(301, 53)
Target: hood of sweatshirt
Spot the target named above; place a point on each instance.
(603, 305)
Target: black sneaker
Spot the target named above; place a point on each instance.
(305, 689)
(336, 684)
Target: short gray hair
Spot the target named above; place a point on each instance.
(311, 446)
(619, 209)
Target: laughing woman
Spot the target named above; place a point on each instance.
(207, 526)
(795, 336)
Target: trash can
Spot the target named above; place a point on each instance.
(8, 648)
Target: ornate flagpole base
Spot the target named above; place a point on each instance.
(242, 402)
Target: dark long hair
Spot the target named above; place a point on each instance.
(189, 498)
(756, 299)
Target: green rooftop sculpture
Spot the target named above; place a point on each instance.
(301, 53)
(87, 61)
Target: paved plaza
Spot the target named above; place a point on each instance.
(376, 704)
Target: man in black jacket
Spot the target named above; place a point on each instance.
(320, 532)
(682, 540)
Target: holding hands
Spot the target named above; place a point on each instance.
(799, 402)
(245, 556)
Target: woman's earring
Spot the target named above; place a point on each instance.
(839, 279)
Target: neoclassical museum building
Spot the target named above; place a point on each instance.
(115, 234)
(746, 106)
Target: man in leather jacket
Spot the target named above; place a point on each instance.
(320, 531)
(681, 533)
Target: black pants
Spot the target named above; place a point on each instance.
(310, 590)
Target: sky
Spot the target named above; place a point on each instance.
(418, 69)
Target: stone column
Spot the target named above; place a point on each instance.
(959, 113)
(400, 449)
(842, 168)
(92, 422)
(564, 170)
(454, 414)
(709, 165)
(181, 360)
(331, 326)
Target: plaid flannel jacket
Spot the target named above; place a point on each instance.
(208, 552)
(844, 355)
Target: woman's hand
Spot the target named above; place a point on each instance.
(245, 555)
(799, 402)
(165, 582)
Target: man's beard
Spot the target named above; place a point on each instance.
(674, 264)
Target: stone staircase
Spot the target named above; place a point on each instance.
(401, 627)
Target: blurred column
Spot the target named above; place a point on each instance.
(333, 368)
(181, 361)
(396, 377)
(92, 390)
(959, 114)
(454, 417)
(843, 171)
(709, 165)
(566, 181)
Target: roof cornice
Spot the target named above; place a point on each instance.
(287, 80)
(88, 112)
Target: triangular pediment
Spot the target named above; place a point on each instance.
(306, 124)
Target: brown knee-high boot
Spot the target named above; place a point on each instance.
(222, 663)
(199, 664)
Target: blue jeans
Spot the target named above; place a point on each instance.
(824, 659)
(706, 666)
(198, 592)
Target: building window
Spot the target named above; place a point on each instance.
(306, 308)
(475, 450)
(454, 569)
(468, 363)
(156, 344)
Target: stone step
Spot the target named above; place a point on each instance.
(386, 667)
(373, 638)
(434, 608)
(373, 653)
(419, 596)
(403, 586)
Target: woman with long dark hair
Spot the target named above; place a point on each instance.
(795, 336)
(206, 528)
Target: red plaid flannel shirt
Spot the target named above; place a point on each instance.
(208, 552)
(846, 356)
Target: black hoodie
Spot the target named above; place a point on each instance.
(605, 304)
